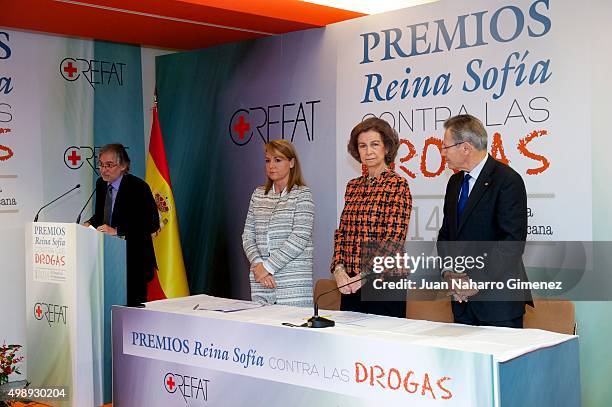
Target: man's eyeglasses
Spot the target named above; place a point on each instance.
(107, 165)
(456, 144)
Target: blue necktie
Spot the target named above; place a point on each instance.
(463, 198)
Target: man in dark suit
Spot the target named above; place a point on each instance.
(125, 207)
(485, 208)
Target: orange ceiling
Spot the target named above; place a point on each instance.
(174, 24)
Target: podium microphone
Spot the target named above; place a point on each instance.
(320, 322)
(59, 197)
(78, 219)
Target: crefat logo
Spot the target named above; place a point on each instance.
(288, 120)
(95, 71)
(76, 156)
(53, 314)
(191, 388)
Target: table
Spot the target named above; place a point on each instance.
(174, 353)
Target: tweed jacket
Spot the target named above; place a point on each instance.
(278, 232)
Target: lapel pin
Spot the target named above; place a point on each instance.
(486, 184)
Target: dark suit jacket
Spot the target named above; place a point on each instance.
(135, 217)
(495, 216)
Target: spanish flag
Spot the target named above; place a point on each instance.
(170, 279)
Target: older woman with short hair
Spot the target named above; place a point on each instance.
(376, 211)
(277, 237)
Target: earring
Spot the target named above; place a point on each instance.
(364, 170)
(392, 166)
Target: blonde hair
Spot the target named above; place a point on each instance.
(287, 150)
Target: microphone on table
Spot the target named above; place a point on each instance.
(56, 199)
(78, 220)
(317, 321)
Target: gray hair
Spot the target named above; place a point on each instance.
(120, 153)
(467, 128)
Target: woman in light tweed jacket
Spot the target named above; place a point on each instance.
(277, 237)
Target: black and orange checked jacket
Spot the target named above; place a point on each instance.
(375, 211)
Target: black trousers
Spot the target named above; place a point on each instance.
(140, 259)
(353, 302)
(136, 289)
(469, 318)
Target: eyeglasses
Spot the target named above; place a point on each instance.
(456, 144)
(107, 165)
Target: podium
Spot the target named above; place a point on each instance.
(74, 275)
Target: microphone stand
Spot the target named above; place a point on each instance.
(61, 196)
(78, 220)
(317, 321)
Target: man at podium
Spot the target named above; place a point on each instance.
(125, 207)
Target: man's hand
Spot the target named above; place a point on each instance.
(460, 279)
(107, 229)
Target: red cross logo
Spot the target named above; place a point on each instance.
(73, 158)
(241, 127)
(38, 311)
(170, 383)
(70, 70)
